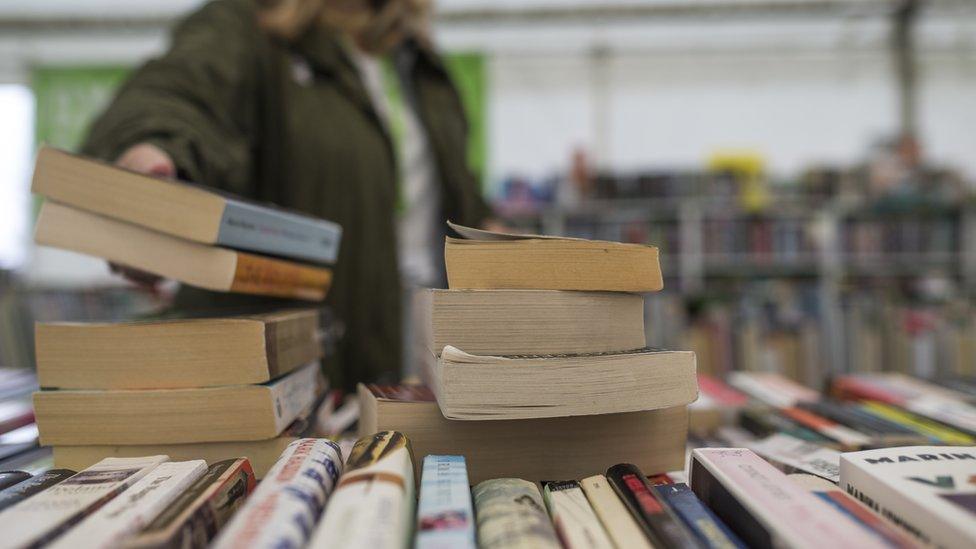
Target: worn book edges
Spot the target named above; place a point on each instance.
(34, 485)
(927, 491)
(660, 525)
(445, 519)
(510, 513)
(174, 354)
(373, 504)
(42, 518)
(207, 267)
(131, 510)
(478, 387)
(172, 416)
(576, 524)
(700, 521)
(284, 507)
(654, 440)
(616, 519)
(183, 210)
(532, 322)
(197, 514)
(485, 260)
(765, 508)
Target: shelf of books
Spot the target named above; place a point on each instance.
(544, 420)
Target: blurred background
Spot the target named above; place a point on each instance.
(807, 167)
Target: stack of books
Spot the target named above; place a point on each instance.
(18, 432)
(191, 388)
(538, 350)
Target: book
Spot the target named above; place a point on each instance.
(793, 454)
(858, 512)
(660, 525)
(181, 209)
(510, 514)
(41, 519)
(845, 437)
(879, 431)
(765, 508)
(169, 416)
(481, 387)
(131, 510)
(616, 519)
(445, 518)
(576, 524)
(703, 524)
(284, 507)
(485, 260)
(373, 503)
(39, 482)
(938, 431)
(12, 478)
(172, 354)
(197, 514)
(207, 267)
(15, 414)
(927, 491)
(532, 322)
(16, 383)
(653, 440)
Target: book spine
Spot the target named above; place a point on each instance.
(616, 519)
(196, 516)
(373, 503)
(510, 513)
(445, 518)
(860, 514)
(292, 394)
(703, 523)
(283, 509)
(272, 277)
(12, 478)
(34, 485)
(715, 495)
(661, 526)
(133, 508)
(261, 229)
(576, 524)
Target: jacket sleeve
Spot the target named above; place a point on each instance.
(196, 102)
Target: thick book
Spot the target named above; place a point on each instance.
(858, 512)
(207, 267)
(577, 525)
(285, 505)
(653, 440)
(482, 387)
(34, 485)
(927, 491)
(659, 523)
(134, 508)
(372, 506)
(183, 210)
(197, 514)
(445, 518)
(510, 513)
(705, 526)
(485, 260)
(172, 354)
(765, 508)
(532, 322)
(616, 519)
(170, 416)
(39, 520)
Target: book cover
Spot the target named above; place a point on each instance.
(36, 484)
(573, 518)
(659, 523)
(616, 519)
(708, 528)
(12, 478)
(510, 513)
(284, 508)
(445, 518)
(373, 503)
(927, 491)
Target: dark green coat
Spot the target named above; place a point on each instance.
(234, 108)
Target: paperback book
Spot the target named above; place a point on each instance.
(445, 518)
(658, 522)
(576, 524)
(510, 514)
(34, 485)
(616, 519)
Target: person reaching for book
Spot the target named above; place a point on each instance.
(341, 109)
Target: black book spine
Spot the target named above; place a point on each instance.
(11, 478)
(662, 528)
(34, 485)
(730, 510)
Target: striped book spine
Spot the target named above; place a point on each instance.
(445, 518)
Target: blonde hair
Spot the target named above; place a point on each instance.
(289, 19)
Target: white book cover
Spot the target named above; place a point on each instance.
(511, 514)
(42, 518)
(285, 506)
(373, 505)
(801, 455)
(293, 393)
(928, 491)
(445, 518)
(573, 517)
(134, 508)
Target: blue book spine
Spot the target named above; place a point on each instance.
(445, 518)
(707, 527)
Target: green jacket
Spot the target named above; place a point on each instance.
(292, 124)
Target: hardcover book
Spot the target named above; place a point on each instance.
(183, 210)
(659, 523)
(510, 513)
